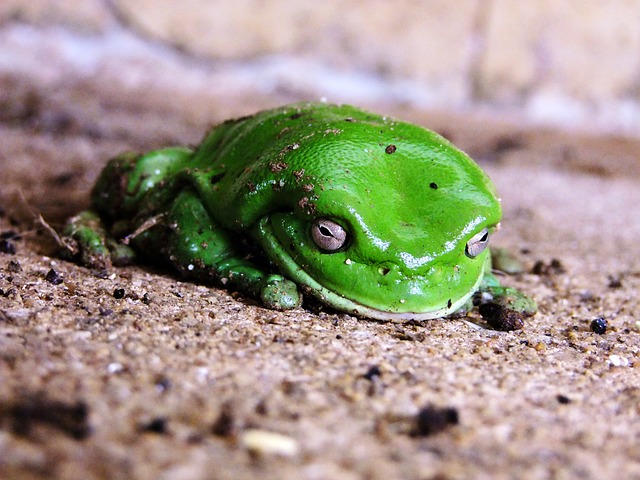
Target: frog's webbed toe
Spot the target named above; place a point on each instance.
(280, 294)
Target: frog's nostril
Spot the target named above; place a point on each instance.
(383, 270)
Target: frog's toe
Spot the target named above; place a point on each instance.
(513, 299)
(119, 253)
(88, 243)
(280, 293)
(86, 247)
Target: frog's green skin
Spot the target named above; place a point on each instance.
(239, 209)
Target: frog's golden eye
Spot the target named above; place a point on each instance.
(328, 235)
(478, 243)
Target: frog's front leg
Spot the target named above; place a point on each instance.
(199, 248)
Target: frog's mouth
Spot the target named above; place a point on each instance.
(290, 268)
(342, 303)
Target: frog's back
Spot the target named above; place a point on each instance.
(283, 159)
(246, 167)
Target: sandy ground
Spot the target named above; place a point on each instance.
(140, 375)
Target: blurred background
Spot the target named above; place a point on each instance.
(65, 64)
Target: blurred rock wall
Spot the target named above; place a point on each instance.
(573, 62)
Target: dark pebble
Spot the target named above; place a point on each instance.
(501, 318)
(162, 384)
(10, 235)
(157, 425)
(615, 281)
(432, 420)
(7, 246)
(374, 371)
(14, 266)
(118, 293)
(563, 399)
(599, 326)
(225, 424)
(72, 419)
(554, 267)
(54, 277)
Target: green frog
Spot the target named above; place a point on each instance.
(371, 215)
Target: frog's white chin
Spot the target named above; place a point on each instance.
(363, 311)
(341, 303)
(344, 304)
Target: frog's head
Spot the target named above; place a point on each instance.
(388, 231)
(394, 243)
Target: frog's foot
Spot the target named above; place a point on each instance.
(507, 298)
(89, 244)
(280, 294)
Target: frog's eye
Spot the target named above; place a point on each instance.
(328, 235)
(478, 243)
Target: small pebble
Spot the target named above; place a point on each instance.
(615, 281)
(432, 420)
(599, 326)
(115, 367)
(373, 372)
(14, 266)
(501, 318)
(118, 293)
(563, 399)
(162, 384)
(226, 423)
(554, 267)
(618, 361)
(54, 277)
(157, 425)
(262, 442)
(7, 246)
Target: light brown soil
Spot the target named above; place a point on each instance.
(167, 381)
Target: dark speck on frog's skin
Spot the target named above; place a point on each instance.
(216, 178)
(390, 149)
